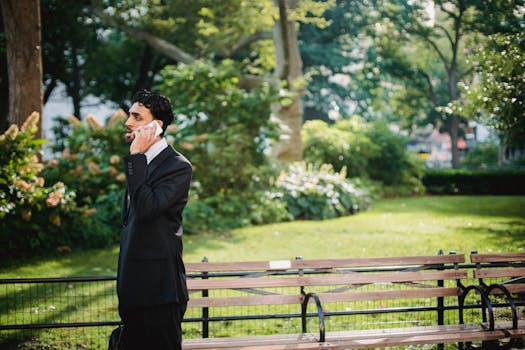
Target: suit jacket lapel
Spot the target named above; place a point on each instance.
(159, 159)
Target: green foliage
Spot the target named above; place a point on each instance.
(90, 162)
(498, 99)
(224, 128)
(477, 182)
(366, 150)
(34, 218)
(483, 155)
(316, 193)
(324, 144)
(223, 211)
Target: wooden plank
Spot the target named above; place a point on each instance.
(355, 339)
(245, 300)
(515, 287)
(499, 272)
(332, 279)
(448, 337)
(261, 340)
(324, 297)
(228, 266)
(493, 258)
(323, 263)
(276, 346)
(389, 294)
(379, 262)
(512, 288)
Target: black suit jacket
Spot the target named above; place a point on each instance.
(150, 268)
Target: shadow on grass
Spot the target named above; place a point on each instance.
(52, 303)
(489, 206)
(513, 233)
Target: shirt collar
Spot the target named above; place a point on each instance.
(155, 149)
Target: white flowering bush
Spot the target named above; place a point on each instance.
(318, 192)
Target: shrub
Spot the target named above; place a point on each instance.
(483, 155)
(366, 150)
(91, 163)
(35, 218)
(312, 192)
(225, 211)
(324, 144)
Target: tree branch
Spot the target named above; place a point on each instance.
(447, 34)
(174, 52)
(159, 44)
(246, 41)
(450, 13)
(164, 47)
(431, 91)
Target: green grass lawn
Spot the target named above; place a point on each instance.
(405, 226)
(393, 227)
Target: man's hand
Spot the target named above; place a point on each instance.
(143, 140)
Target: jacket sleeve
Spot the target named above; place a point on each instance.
(154, 196)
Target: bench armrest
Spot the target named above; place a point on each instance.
(320, 314)
(510, 301)
(486, 305)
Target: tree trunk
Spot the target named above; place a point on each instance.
(143, 81)
(24, 58)
(4, 83)
(75, 84)
(289, 67)
(453, 121)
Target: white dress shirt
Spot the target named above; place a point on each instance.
(155, 149)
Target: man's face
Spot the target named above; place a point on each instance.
(138, 116)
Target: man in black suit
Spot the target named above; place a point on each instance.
(151, 279)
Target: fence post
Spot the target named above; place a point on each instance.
(300, 272)
(205, 310)
(440, 304)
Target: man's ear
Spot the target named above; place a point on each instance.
(159, 122)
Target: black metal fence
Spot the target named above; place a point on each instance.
(79, 313)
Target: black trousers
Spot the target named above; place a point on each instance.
(157, 327)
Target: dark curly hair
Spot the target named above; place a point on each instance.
(159, 106)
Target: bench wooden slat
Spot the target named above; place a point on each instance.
(494, 258)
(416, 330)
(438, 338)
(246, 341)
(515, 287)
(323, 263)
(245, 300)
(378, 262)
(324, 297)
(389, 294)
(349, 278)
(499, 272)
(512, 288)
(356, 338)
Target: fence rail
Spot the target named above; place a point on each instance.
(34, 308)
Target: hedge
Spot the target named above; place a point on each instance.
(472, 182)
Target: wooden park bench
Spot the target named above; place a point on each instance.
(319, 288)
(502, 277)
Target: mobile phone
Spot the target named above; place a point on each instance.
(158, 129)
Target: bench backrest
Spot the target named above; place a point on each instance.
(397, 277)
(508, 269)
